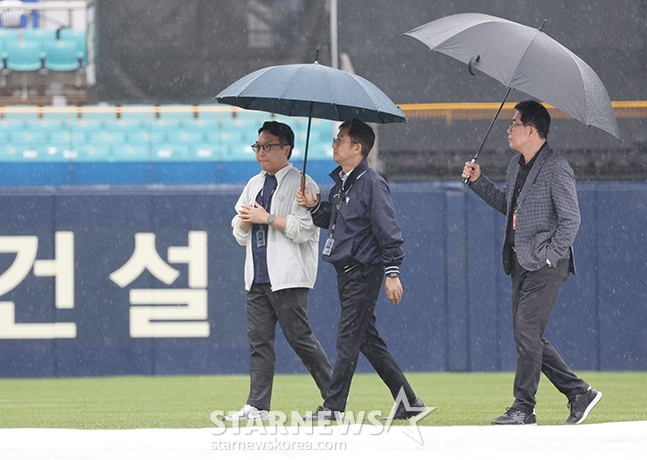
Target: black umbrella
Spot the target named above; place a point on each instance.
(524, 59)
(312, 90)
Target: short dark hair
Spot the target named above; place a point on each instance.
(360, 132)
(280, 130)
(535, 114)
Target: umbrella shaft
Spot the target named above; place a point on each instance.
(505, 98)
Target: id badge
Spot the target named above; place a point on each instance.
(328, 246)
(260, 238)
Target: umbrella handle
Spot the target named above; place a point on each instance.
(303, 189)
(466, 180)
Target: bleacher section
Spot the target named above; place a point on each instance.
(32, 59)
(139, 145)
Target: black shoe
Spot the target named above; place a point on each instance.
(581, 405)
(324, 413)
(516, 417)
(402, 413)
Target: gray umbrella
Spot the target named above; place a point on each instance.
(524, 59)
(312, 90)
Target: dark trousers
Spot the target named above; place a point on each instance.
(358, 292)
(534, 294)
(290, 308)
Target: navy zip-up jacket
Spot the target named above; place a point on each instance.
(365, 228)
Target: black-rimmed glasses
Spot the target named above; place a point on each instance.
(266, 147)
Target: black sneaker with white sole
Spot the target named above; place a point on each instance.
(516, 417)
(581, 405)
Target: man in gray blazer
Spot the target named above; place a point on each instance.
(543, 216)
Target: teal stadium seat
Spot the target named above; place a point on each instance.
(81, 128)
(60, 142)
(171, 152)
(6, 35)
(97, 153)
(238, 152)
(206, 152)
(131, 152)
(42, 36)
(106, 137)
(138, 136)
(43, 130)
(23, 55)
(65, 117)
(61, 56)
(185, 135)
(80, 37)
(136, 113)
(10, 124)
(160, 128)
(28, 144)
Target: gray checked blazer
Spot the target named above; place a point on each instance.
(548, 214)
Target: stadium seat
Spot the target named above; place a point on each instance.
(107, 137)
(183, 135)
(138, 136)
(131, 152)
(7, 34)
(59, 140)
(11, 124)
(23, 55)
(42, 36)
(171, 152)
(238, 152)
(28, 137)
(90, 152)
(61, 56)
(159, 129)
(45, 124)
(82, 127)
(135, 116)
(79, 36)
(206, 152)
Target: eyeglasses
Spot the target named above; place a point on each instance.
(513, 125)
(266, 147)
(336, 140)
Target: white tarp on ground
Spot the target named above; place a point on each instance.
(625, 440)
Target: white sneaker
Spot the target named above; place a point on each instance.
(248, 413)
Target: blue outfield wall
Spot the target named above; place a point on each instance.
(149, 280)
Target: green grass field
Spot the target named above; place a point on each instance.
(187, 401)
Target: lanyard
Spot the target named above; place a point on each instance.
(262, 194)
(342, 196)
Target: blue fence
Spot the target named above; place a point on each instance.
(134, 281)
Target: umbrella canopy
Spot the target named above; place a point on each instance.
(312, 90)
(524, 59)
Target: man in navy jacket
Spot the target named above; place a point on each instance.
(364, 245)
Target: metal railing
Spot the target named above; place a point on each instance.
(485, 110)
